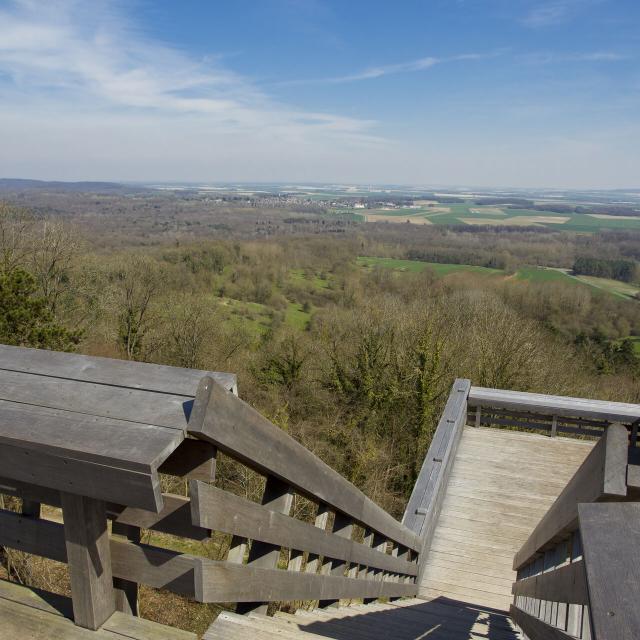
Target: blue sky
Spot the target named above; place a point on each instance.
(459, 92)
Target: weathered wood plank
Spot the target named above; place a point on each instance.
(610, 539)
(89, 560)
(193, 459)
(120, 403)
(554, 405)
(243, 433)
(174, 518)
(126, 591)
(277, 498)
(566, 584)
(218, 510)
(425, 504)
(198, 578)
(122, 486)
(536, 629)
(119, 373)
(601, 476)
(47, 611)
(439, 458)
(106, 441)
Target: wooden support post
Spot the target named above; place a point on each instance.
(380, 544)
(89, 559)
(478, 415)
(321, 521)
(277, 497)
(554, 426)
(126, 591)
(343, 527)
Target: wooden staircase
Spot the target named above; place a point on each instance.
(411, 619)
(501, 484)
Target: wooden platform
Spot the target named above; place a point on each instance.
(29, 614)
(414, 619)
(501, 484)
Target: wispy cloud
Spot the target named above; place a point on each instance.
(89, 55)
(554, 12)
(371, 73)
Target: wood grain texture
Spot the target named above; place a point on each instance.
(613, 575)
(38, 615)
(535, 629)
(89, 560)
(566, 584)
(215, 509)
(601, 476)
(108, 371)
(481, 524)
(554, 405)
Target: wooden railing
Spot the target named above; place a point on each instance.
(555, 415)
(423, 508)
(577, 574)
(352, 549)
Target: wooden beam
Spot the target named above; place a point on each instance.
(109, 371)
(277, 497)
(174, 518)
(193, 460)
(425, 503)
(554, 405)
(342, 528)
(126, 591)
(89, 559)
(536, 629)
(195, 577)
(218, 510)
(610, 538)
(566, 584)
(239, 430)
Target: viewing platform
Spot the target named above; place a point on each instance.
(523, 522)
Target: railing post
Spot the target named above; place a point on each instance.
(554, 426)
(277, 497)
(89, 559)
(126, 591)
(478, 416)
(379, 543)
(343, 527)
(321, 521)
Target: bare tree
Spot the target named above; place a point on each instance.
(54, 247)
(15, 236)
(136, 285)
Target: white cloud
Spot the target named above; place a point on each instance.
(72, 55)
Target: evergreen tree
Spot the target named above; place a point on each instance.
(25, 319)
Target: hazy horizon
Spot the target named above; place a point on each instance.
(526, 94)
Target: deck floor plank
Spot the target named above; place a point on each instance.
(492, 503)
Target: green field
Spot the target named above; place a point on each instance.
(544, 274)
(469, 213)
(417, 266)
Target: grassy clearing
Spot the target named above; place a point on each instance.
(296, 317)
(615, 287)
(300, 276)
(544, 274)
(417, 266)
